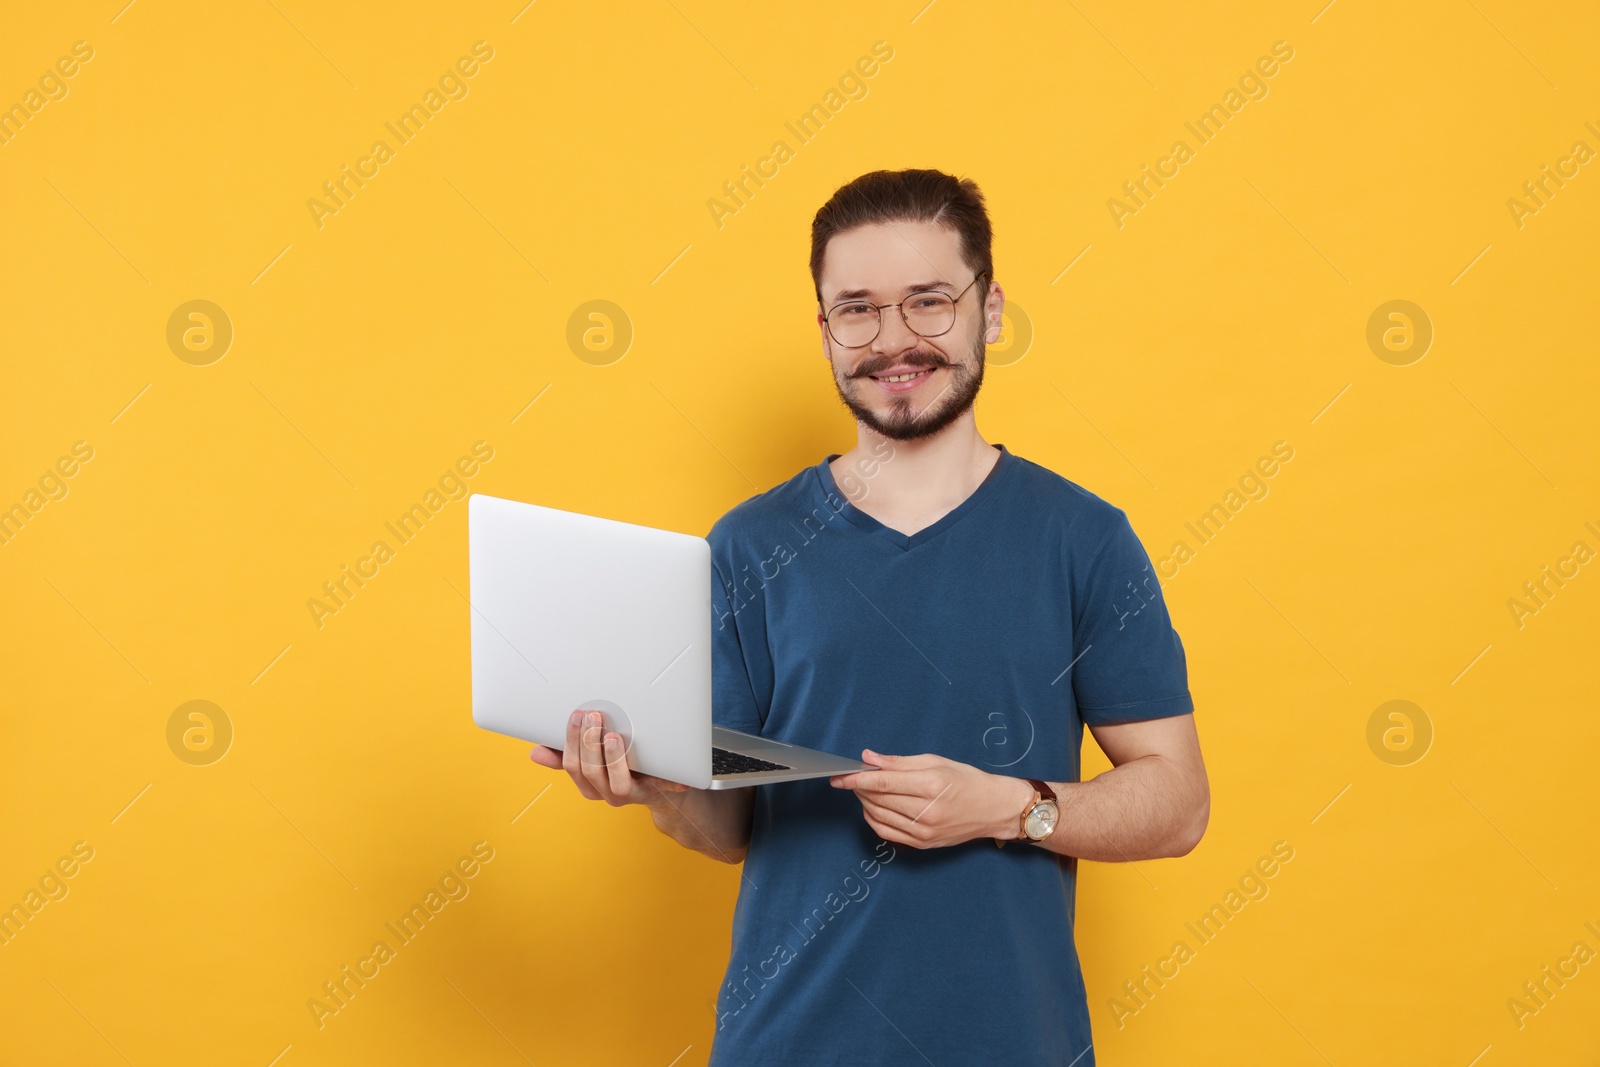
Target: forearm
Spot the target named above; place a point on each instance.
(713, 822)
(1147, 808)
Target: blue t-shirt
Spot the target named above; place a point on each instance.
(990, 638)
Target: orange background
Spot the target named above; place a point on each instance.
(1153, 362)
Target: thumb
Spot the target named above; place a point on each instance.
(877, 759)
(920, 761)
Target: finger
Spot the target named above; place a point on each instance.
(890, 783)
(660, 784)
(572, 757)
(899, 811)
(619, 778)
(545, 756)
(893, 828)
(590, 758)
(859, 780)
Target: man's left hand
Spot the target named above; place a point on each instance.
(927, 801)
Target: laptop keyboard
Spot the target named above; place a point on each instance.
(725, 762)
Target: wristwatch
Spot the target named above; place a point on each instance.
(1039, 817)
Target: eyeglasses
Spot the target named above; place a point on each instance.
(856, 323)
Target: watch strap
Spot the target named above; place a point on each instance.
(1042, 791)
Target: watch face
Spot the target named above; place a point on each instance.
(1041, 820)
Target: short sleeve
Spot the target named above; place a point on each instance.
(1128, 662)
(738, 644)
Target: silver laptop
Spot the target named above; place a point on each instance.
(575, 611)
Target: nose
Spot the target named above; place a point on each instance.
(893, 333)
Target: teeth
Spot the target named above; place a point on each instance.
(904, 377)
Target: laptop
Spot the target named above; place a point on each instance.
(576, 611)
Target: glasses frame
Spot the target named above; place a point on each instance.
(955, 300)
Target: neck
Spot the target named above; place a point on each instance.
(910, 476)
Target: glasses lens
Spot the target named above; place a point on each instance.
(930, 314)
(853, 325)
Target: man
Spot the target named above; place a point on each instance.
(957, 621)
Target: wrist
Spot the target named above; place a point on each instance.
(663, 809)
(1013, 796)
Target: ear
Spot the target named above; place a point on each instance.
(991, 333)
(993, 308)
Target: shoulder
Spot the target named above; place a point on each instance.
(757, 518)
(1080, 516)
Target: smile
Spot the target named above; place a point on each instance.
(905, 377)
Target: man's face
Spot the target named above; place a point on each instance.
(883, 264)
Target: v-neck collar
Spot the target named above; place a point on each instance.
(838, 502)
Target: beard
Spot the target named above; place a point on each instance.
(904, 420)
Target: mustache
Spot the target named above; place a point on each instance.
(878, 366)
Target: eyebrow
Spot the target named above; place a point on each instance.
(918, 287)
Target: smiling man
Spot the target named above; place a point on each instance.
(957, 625)
(957, 619)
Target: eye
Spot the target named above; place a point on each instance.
(927, 300)
(852, 309)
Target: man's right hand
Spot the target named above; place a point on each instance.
(599, 767)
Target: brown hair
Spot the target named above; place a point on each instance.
(908, 196)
